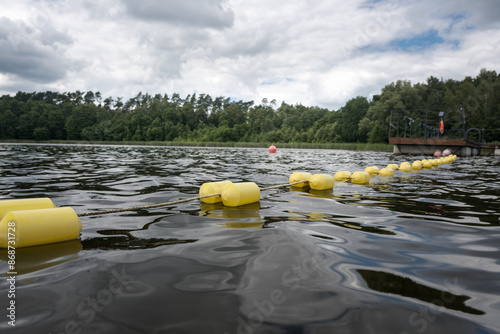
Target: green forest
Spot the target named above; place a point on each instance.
(87, 116)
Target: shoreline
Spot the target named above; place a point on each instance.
(379, 147)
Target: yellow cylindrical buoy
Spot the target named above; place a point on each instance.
(25, 204)
(392, 166)
(321, 182)
(300, 176)
(39, 227)
(386, 172)
(426, 163)
(212, 188)
(372, 170)
(416, 165)
(405, 163)
(434, 162)
(406, 168)
(342, 176)
(236, 194)
(360, 177)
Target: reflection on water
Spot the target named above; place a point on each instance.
(32, 259)
(414, 253)
(332, 219)
(129, 242)
(403, 286)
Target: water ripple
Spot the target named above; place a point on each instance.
(414, 253)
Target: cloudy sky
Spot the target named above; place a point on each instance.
(317, 52)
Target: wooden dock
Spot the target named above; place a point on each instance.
(427, 146)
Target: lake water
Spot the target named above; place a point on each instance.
(416, 253)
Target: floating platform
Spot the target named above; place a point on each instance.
(427, 146)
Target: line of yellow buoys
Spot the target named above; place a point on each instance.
(325, 181)
(37, 221)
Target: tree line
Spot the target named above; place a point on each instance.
(201, 118)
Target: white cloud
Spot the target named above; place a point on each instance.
(322, 54)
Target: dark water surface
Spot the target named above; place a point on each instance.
(417, 253)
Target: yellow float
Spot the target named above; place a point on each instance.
(405, 167)
(210, 188)
(386, 172)
(236, 194)
(300, 176)
(360, 177)
(416, 165)
(25, 204)
(39, 227)
(426, 164)
(372, 170)
(321, 182)
(393, 166)
(342, 176)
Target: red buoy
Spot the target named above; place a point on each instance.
(272, 149)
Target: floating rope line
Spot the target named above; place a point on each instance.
(283, 185)
(135, 208)
(49, 224)
(151, 206)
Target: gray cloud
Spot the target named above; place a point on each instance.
(205, 13)
(480, 14)
(31, 53)
(322, 54)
